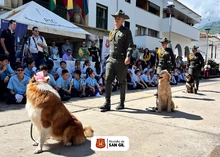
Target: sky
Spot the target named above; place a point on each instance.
(208, 9)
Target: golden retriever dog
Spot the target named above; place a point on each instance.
(190, 85)
(50, 117)
(164, 100)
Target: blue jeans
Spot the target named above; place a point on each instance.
(38, 61)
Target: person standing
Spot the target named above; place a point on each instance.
(121, 44)
(37, 46)
(165, 57)
(94, 52)
(8, 42)
(135, 56)
(83, 52)
(66, 46)
(195, 64)
(53, 51)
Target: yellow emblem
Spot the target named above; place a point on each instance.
(111, 36)
(161, 52)
(191, 56)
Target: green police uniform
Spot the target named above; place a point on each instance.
(195, 63)
(121, 43)
(165, 58)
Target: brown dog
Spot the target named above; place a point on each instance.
(50, 117)
(164, 100)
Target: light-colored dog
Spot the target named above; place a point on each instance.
(164, 100)
(50, 117)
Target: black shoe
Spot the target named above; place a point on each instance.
(105, 109)
(105, 105)
(156, 94)
(120, 107)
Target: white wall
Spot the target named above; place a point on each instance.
(180, 28)
(2, 2)
(146, 19)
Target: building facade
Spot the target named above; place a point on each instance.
(149, 20)
(209, 46)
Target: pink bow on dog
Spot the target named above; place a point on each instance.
(39, 77)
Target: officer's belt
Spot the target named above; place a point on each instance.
(120, 56)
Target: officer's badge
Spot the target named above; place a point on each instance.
(100, 143)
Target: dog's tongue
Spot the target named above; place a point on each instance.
(39, 77)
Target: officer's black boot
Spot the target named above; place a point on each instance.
(197, 84)
(107, 105)
(122, 97)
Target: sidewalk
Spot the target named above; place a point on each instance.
(192, 131)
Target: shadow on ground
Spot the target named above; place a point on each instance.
(60, 150)
(186, 97)
(209, 91)
(5, 107)
(176, 114)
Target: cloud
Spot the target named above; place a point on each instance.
(208, 9)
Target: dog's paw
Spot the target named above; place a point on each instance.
(69, 144)
(38, 150)
(35, 144)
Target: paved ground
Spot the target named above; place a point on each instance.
(192, 131)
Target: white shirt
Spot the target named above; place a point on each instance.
(34, 48)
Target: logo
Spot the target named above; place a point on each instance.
(100, 143)
(110, 143)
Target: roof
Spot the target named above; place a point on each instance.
(188, 8)
(33, 14)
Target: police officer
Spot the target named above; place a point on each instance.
(121, 44)
(195, 65)
(94, 52)
(165, 57)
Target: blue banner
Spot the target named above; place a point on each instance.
(20, 31)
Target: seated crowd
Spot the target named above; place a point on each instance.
(81, 81)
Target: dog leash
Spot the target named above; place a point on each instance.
(31, 131)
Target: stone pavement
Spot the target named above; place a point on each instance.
(193, 130)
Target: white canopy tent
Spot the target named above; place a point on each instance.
(34, 14)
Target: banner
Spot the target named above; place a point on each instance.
(20, 31)
(105, 47)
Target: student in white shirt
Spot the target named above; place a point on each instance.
(131, 84)
(138, 80)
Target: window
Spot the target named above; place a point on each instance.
(127, 24)
(142, 4)
(153, 8)
(148, 6)
(129, 1)
(153, 33)
(101, 16)
(140, 30)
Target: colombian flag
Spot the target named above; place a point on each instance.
(70, 7)
(83, 4)
(53, 5)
